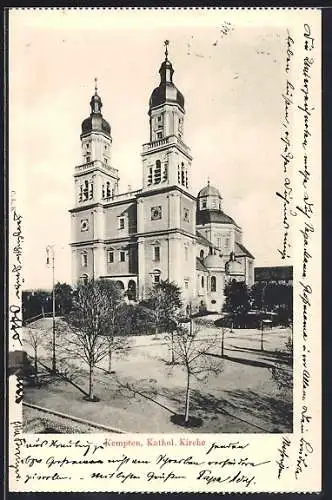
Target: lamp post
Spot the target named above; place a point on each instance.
(50, 248)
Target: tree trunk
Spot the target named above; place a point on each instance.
(110, 359)
(186, 413)
(36, 366)
(91, 395)
(222, 342)
(173, 360)
(262, 337)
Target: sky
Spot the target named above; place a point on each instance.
(232, 84)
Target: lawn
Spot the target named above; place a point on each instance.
(145, 390)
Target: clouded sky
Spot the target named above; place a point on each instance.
(232, 86)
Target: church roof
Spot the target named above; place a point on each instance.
(241, 250)
(200, 266)
(166, 92)
(214, 261)
(95, 122)
(204, 241)
(209, 191)
(211, 215)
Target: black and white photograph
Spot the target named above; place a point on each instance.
(156, 188)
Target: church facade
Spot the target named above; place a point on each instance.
(161, 231)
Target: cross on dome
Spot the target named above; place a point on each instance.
(166, 43)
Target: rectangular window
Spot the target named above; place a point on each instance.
(121, 223)
(219, 242)
(84, 260)
(159, 135)
(87, 145)
(226, 243)
(159, 118)
(150, 176)
(88, 159)
(110, 256)
(186, 284)
(105, 160)
(156, 254)
(122, 256)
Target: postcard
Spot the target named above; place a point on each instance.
(164, 266)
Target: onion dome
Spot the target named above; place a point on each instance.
(234, 267)
(214, 261)
(96, 122)
(209, 203)
(166, 92)
(209, 191)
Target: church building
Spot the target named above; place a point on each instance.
(161, 231)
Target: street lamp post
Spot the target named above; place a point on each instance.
(48, 249)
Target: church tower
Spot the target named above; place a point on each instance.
(166, 210)
(96, 183)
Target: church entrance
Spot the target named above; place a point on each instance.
(131, 291)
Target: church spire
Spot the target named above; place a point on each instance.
(166, 69)
(166, 43)
(96, 102)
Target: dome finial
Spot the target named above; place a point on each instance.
(208, 181)
(166, 43)
(96, 85)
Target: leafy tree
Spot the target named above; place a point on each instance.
(237, 301)
(36, 302)
(165, 302)
(164, 299)
(192, 353)
(63, 298)
(89, 322)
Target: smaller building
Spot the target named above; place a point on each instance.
(276, 274)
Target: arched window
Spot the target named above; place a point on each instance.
(103, 191)
(91, 191)
(131, 291)
(150, 176)
(108, 190)
(84, 259)
(80, 196)
(183, 181)
(84, 279)
(179, 175)
(201, 254)
(202, 281)
(86, 190)
(120, 284)
(165, 173)
(157, 172)
(156, 276)
(213, 284)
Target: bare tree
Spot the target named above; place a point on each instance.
(89, 323)
(192, 351)
(36, 339)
